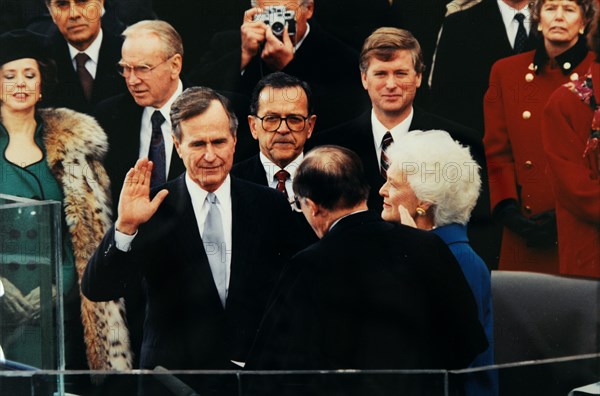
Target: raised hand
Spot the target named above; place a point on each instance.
(135, 207)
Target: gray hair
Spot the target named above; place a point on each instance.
(168, 36)
(195, 101)
(440, 171)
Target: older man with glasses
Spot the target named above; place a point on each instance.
(151, 59)
(282, 120)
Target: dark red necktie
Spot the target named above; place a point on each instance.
(281, 177)
(87, 82)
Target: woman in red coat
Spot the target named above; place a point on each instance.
(520, 192)
(570, 137)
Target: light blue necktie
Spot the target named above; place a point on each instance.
(214, 245)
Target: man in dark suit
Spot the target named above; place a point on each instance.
(368, 295)
(391, 65)
(151, 59)
(237, 61)
(85, 55)
(470, 43)
(208, 247)
(282, 120)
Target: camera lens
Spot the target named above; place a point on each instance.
(277, 28)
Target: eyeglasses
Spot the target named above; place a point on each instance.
(294, 122)
(140, 71)
(296, 204)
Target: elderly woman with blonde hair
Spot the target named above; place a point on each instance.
(433, 184)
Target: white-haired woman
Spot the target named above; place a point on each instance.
(433, 184)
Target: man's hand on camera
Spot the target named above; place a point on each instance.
(278, 52)
(253, 34)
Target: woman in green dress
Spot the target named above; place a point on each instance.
(53, 154)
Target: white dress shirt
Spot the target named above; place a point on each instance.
(93, 51)
(271, 169)
(198, 196)
(397, 131)
(510, 23)
(146, 129)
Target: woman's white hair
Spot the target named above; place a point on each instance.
(440, 171)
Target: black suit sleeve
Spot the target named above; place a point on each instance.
(110, 273)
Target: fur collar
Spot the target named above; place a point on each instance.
(75, 147)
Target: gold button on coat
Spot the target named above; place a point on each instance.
(567, 65)
(574, 77)
(529, 77)
(528, 164)
(526, 114)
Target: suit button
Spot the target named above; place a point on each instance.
(526, 115)
(529, 77)
(574, 77)
(532, 67)
(528, 164)
(567, 65)
(528, 209)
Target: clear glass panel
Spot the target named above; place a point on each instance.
(31, 318)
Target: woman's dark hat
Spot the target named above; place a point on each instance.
(21, 43)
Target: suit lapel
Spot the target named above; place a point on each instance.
(242, 227)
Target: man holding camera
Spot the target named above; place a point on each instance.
(277, 36)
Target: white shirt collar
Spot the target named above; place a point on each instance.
(271, 168)
(93, 51)
(299, 43)
(198, 194)
(510, 23)
(397, 131)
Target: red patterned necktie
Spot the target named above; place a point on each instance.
(281, 177)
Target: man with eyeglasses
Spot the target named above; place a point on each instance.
(138, 124)
(282, 120)
(85, 55)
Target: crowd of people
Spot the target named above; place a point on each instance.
(290, 199)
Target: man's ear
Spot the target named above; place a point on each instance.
(252, 125)
(314, 208)
(176, 143)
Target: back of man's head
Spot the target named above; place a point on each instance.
(385, 42)
(332, 177)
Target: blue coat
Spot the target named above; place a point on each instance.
(478, 278)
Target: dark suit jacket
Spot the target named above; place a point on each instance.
(471, 41)
(107, 83)
(121, 119)
(328, 65)
(186, 326)
(369, 295)
(253, 171)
